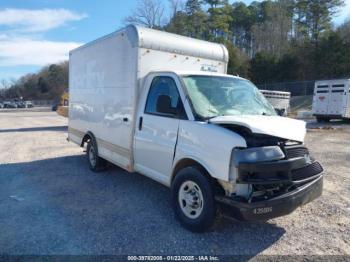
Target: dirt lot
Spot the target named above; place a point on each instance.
(50, 203)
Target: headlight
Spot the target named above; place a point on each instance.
(257, 154)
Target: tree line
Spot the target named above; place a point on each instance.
(268, 41)
(48, 84)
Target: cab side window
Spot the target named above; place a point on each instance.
(164, 86)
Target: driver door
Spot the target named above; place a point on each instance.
(156, 131)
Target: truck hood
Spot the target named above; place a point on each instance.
(277, 126)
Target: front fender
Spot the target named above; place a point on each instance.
(208, 144)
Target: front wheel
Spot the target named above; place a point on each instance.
(193, 199)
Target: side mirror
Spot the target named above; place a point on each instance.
(164, 105)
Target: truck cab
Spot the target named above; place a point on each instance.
(219, 127)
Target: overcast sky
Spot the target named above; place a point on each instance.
(34, 33)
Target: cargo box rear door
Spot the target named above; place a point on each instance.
(337, 99)
(321, 98)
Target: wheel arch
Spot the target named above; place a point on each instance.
(89, 135)
(190, 162)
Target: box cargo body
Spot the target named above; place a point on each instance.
(331, 99)
(105, 77)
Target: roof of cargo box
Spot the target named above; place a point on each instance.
(168, 42)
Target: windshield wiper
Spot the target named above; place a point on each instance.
(208, 118)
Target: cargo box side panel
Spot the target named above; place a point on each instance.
(102, 91)
(337, 100)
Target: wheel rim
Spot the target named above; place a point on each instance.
(191, 199)
(92, 156)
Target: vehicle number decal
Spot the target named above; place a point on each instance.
(262, 210)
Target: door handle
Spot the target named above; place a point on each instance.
(140, 122)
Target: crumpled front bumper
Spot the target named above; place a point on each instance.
(301, 174)
(275, 207)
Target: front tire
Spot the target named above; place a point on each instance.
(96, 163)
(193, 199)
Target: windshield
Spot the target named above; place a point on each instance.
(221, 96)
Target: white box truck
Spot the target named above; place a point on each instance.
(331, 100)
(162, 105)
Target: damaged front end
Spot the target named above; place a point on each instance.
(272, 177)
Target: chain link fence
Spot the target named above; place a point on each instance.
(298, 88)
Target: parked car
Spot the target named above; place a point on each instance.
(1, 105)
(10, 104)
(20, 104)
(175, 116)
(28, 104)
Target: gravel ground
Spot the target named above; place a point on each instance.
(50, 203)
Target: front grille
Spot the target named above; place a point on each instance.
(299, 151)
(306, 172)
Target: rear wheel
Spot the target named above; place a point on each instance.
(96, 163)
(193, 199)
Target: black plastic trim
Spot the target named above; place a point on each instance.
(274, 207)
(329, 116)
(274, 166)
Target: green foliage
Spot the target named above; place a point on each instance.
(219, 21)
(196, 19)
(189, 22)
(273, 32)
(268, 41)
(263, 67)
(192, 7)
(314, 16)
(177, 24)
(305, 62)
(332, 58)
(49, 83)
(344, 31)
(287, 68)
(286, 40)
(238, 63)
